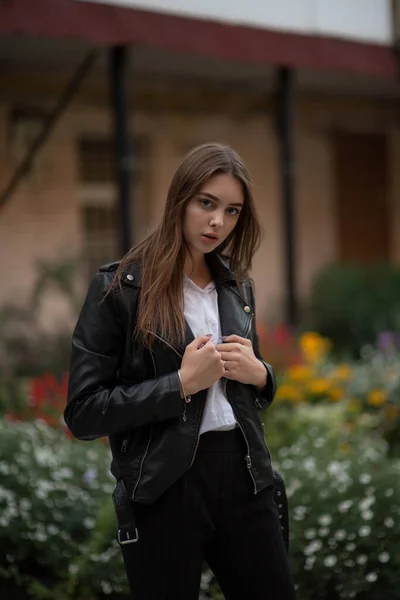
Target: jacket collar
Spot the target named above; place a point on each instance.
(228, 298)
(219, 266)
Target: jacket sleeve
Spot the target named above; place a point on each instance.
(264, 396)
(97, 405)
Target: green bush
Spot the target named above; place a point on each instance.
(353, 304)
(345, 527)
(57, 523)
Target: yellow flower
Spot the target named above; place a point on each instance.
(346, 448)
(336, 394)
(342, 373)
(349, 427)
(299, 372)
(313, 346)
(376, 398)
(319, 386)
(354, 405)
(392, 412)
(288, 392)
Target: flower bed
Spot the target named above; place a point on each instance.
(368, 389)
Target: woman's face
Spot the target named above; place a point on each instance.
(212, 214)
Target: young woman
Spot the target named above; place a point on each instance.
(165, 362)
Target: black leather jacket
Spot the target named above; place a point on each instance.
(119, 389)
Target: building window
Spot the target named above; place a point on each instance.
(99, 213)
(98, 203)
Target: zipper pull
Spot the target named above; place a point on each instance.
(124, 445)
(248, 461)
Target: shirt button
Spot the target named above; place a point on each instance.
(247, 309)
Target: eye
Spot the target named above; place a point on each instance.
(233, 211)
(206, 203)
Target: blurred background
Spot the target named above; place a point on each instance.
(99, 101)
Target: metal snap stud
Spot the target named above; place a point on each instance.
(130, 277)
(247, 309)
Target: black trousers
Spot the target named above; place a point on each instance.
(210, 514)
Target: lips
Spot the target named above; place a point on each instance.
(210, 236)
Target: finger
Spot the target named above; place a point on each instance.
(225, 356)
(226, 347)
(201, 340)
(236, 339)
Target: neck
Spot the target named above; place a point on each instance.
(197, 269)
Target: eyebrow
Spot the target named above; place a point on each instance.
(216, 199)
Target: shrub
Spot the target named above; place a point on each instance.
(368, 389)
(353, 304)
(57, 523)
(345, 527)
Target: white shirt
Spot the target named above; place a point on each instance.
(202, 315)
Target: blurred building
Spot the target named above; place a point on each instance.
(307, 91)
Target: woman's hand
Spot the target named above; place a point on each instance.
(201, 365)
(241, 364)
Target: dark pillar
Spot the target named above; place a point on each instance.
(285, 136)
(118, 75)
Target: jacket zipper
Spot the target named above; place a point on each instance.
(256, 399)
(247, 457)
(185, 400)
(141, 463)
(148, 442)
(197, 442)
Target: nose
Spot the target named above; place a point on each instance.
(217, 219)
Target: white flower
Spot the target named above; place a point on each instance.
(364, 531)
(371, 577)
(73, 569)
(319, 442)
(367, 515)
(366, 503)
(287, 464)
(299, 512)
(389, 492)
(52, 529)
(106, 587)
(325, 520)
(309, 464)
(345, 505)
(330, 561)
(362, 559)
(365, 478)
(4, 468)
(40, 536)
(310, 561)
(310, 534)
(350, 547)
(25, 504)
(334, 468)
(383, 557)
(45, 457)
(313, 547)
(89, 523)
(65, 473)
(340, 534)
(323, 531)
(389, 522)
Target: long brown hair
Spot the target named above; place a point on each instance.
(162, 254)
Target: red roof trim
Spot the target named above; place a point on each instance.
(106, 25)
